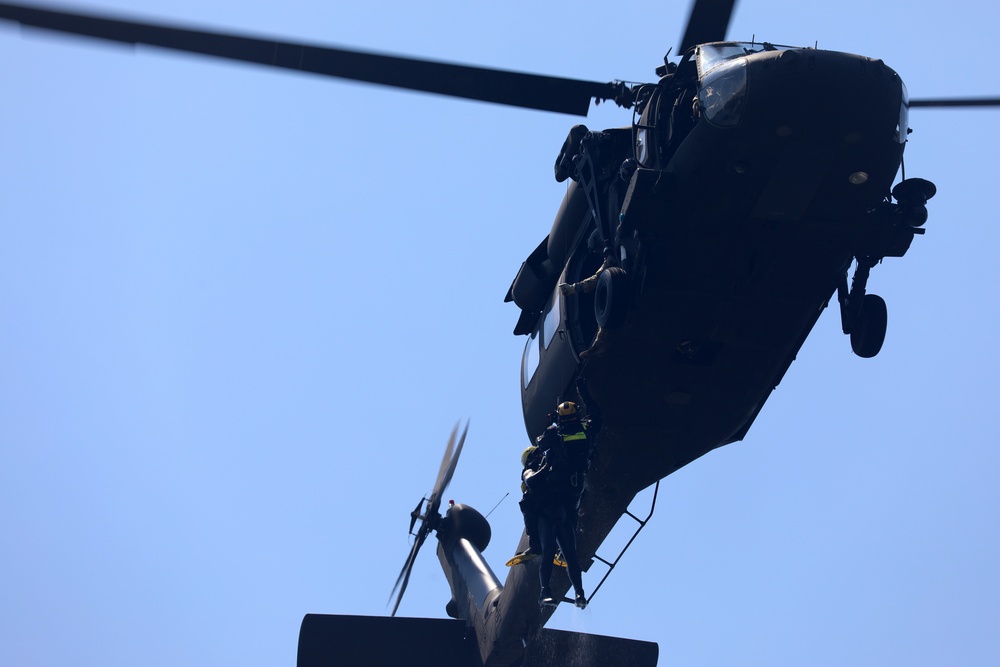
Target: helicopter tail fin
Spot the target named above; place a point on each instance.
(557, 647)
(361, 641)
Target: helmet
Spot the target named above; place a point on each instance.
(526, 454)
(566, 410)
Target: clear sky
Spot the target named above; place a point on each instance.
(242, 310)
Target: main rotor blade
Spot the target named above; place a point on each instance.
(958, 102)
(708, 22)
(531, 91)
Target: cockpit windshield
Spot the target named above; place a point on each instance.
(711, 56)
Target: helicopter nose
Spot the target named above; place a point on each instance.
(823, 97)
(817, 136)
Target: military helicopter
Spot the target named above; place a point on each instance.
(741, 322)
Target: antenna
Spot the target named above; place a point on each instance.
(497, 505)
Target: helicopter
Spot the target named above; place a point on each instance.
(581, 274)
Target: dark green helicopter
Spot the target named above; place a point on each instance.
(719, 223)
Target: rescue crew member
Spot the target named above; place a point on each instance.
(557, 488)
(531, 461)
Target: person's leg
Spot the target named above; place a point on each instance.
(566, 537)
(549, 520)
(531, 525)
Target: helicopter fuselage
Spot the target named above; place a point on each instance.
(733, 237)
(747, 190)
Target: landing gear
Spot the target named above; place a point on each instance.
(869, 330)
(864, 316)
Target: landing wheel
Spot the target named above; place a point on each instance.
(611, 298)
(869, 334)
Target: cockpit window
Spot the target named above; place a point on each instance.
(711, 56)
(529, 362)
(903, 126)
(551, 323)
(540, 339)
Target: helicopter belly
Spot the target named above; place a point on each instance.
(752, 230)
(749, 235)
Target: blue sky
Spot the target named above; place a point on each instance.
(242, 310)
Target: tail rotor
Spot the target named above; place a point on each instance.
(427, 511)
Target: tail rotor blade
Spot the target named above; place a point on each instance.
(404, 575)
(430, 518)
(445, 460)
(444, 477)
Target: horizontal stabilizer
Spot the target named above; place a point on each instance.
(559, 647)
(363, 641)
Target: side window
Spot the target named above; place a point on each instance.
(551, 321)
(529, 362)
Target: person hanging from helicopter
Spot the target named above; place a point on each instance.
(585, 286)
(531, 505)
(533, 498)
(558, 485)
